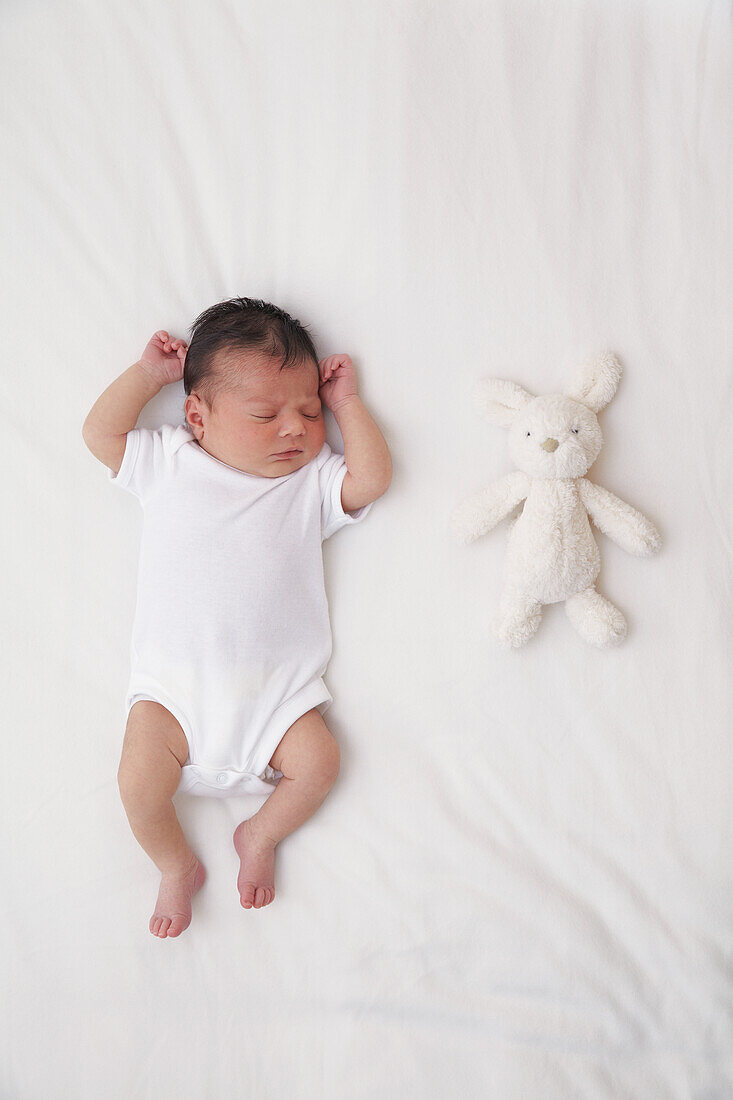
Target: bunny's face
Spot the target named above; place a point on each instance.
(555, 436)
(559, 435)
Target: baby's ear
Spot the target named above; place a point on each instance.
(500, 401)
(597, 381)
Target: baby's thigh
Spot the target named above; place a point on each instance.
(308, 745)
(153, 739)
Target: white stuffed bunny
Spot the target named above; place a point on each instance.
(552, 555)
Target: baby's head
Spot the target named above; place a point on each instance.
(252, 380)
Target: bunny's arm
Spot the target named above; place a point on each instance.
(479, 513)
(630, 529)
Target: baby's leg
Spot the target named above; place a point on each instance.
(154, 750)
(309, 758)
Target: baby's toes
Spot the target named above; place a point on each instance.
(260, 897)
(164, 926)
(247, 895)
(177, 925)
(158, 925)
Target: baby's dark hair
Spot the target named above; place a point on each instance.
(241, 323)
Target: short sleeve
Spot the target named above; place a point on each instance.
(146, 460)
(331, 473)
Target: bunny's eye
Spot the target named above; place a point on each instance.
(529, 433)
(576, 430)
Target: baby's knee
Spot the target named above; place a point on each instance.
(322, 763)
(330, 761)
(132, 783)
(145, 779)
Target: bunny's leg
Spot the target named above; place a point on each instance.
(595, 618)
(518, 619)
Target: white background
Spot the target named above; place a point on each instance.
(521, 884)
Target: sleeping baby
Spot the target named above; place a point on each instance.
(231, 635)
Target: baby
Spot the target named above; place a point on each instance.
(231, 635)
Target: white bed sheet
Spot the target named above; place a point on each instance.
(521, 884)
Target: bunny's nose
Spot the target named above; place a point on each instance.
(550, 445)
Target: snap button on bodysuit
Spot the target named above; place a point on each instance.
(221, 778)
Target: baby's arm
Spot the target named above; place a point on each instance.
(115, 413)
(368, 462)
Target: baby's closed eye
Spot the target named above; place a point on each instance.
(313, 416)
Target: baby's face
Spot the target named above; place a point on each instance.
(269, 423)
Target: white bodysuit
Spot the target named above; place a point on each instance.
(231, 629)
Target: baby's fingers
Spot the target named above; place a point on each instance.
(173, 345)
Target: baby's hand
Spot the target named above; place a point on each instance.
(338, 380)
(165, 357)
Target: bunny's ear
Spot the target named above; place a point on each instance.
(597, 382)
(500, 401)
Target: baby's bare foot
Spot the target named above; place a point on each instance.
(256, 879)
(173, 908)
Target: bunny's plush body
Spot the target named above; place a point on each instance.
(552, 554)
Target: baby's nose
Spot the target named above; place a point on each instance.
(550, 445)
(293, 426)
